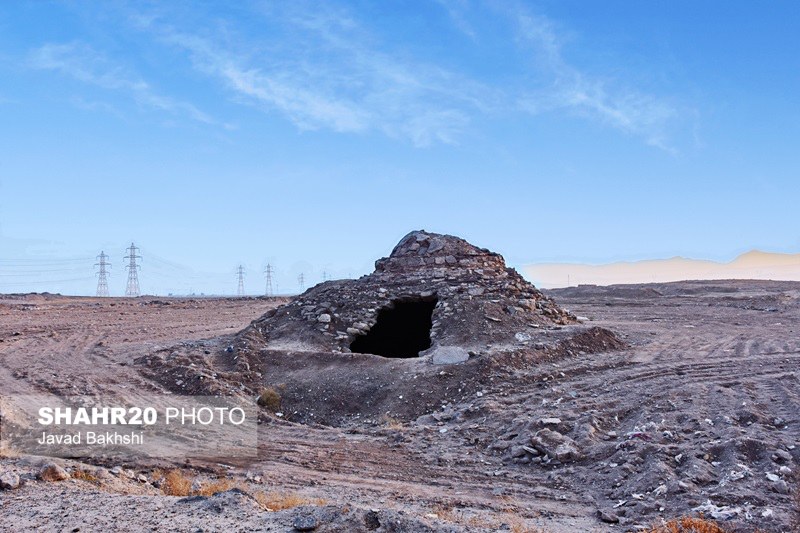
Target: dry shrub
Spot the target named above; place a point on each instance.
(85, 475)
(270, 399)
(277, 501)
(688, 524)
(7, 453)
(518, 525)
(220, 485)
(449, 515)
(176, 483)
(391, 423)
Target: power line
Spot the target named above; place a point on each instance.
(46, 281)
(30, 272)
(133, 272)
(102, 280)
(45, 261)
(268, 275)
(240, 289)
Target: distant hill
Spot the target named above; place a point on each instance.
(751, 265)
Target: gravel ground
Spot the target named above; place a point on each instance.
(699, 414)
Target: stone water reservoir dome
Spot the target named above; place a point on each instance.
(435, 296)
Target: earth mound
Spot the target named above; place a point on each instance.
(437, 322)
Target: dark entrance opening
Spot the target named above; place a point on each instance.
(401, 331)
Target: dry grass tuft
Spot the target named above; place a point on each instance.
(518, 525)
(220, 485)
(278, 501)
(688, 524)
(175, 483)
(270, 399)
(85, 475)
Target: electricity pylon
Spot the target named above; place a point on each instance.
(240, 289)
(102, 279)
(301, 279)
(133, 271)
(268, 275)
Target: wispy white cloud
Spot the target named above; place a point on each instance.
(307, 107)
(555, 85)
(455, 11)
(84, 64)
(324, 68)
(355, 88)
(607, 100)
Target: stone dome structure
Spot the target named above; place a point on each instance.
(435, 296)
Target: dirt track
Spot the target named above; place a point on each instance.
(701, 407)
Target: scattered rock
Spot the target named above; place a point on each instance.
(529, 450)
(781, 456)
(517, 452)
(607, 516)
(9, 481)
(718, 512)
(53, 472)
(449, 355)
(372, 520)
(305, 523)
(101, 473)
(555, 445)
(781, 487)
(553, 421)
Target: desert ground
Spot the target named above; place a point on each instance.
(696, 412)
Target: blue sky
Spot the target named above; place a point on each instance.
(315, 135)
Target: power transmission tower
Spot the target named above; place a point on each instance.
(268, 274)
(240, 289)
(301, 279)
(133, 271)
(325, 276)
(102, 280)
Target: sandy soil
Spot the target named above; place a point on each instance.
(698, 414)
